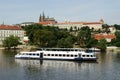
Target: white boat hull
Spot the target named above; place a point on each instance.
(57, 55)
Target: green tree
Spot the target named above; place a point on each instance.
(92, 43)
(102, 45)
(117, 26)
(116, 41)
(11, 41)
(44, 38)
(30, 29)
(106, 28)
(84, 36)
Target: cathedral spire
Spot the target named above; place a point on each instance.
(43, 16)
(40, 18)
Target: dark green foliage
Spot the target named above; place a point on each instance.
(66, 42)
(11, 41)
(50, 36)
(84, 36)
(46, 36)
(116, 42)
(30, 29)
(91, 43)
(117, 26)
(102, 45)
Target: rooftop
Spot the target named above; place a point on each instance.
(9, 27)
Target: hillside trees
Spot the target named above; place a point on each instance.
(84, 37)
(46, 36)
(50, 36)
(102, 45)
(116, 42)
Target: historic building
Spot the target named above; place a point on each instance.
(46, 20)
(78, 25)
(7, 30)
(68, 24)
(108, 37)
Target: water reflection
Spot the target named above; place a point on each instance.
(106, 68)
(47, 64)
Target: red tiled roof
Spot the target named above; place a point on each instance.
(100, 36)
(9, 27)
(84, 23)
(68, 22)
(47, 22)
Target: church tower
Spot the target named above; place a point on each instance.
(42, 18)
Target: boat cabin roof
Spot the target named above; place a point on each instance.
(61, 49)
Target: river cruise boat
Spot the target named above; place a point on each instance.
(58, 54)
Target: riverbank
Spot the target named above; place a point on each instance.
(113, 49)
(29, 48)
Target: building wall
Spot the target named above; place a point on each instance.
(7, 32)
(78, 25)
(68, 26)
(95, 26)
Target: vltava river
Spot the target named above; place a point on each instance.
(106, 68)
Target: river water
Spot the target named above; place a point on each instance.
(107, 67)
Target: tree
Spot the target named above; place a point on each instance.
(11, 41)
(92, 43)
(102, 45)
(117, 26)
(106, 28)
(65, 43)
(71, 29)
(44, 38)
(84, 36)
(116, 41)
(30, 29)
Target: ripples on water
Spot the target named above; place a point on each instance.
(106, 68)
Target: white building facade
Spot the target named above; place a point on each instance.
(78, 25)
(6, 31)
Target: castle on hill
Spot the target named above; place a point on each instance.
(46, 20)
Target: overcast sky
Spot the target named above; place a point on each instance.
(18, 11)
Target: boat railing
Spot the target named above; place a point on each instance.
(61, 49)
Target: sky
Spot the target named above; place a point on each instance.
(18, 11)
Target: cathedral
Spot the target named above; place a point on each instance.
(46, 20)
(67, 25)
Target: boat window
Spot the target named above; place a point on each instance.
(48, 54)
(52, 54)
(87, 55)
(37, 54)
(33, 54)
(83, 55)
(30, 54)
(71, 55)
(44, 54)
(56, 54)
(75, 55)
(91, 55)
(67, 55)
(63, 55)
(60, 54)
